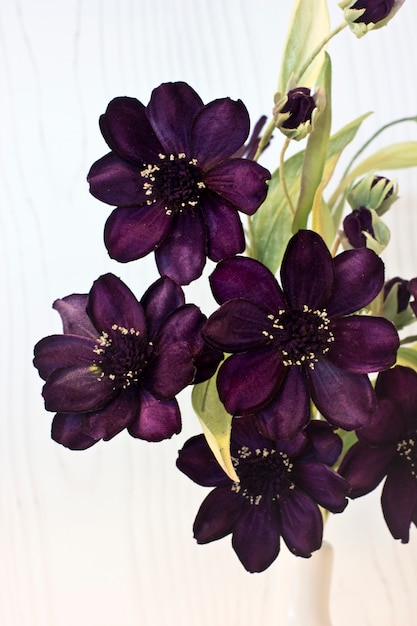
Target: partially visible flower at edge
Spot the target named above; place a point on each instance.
(294, 112)
(281, 485)
(365, 15)
(120, 363)
(300, 342)
(387, 449)
(173, 174)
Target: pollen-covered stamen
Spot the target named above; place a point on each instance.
(175, 180)
(301, 336)
(121, 357)
(263, 474)
(406, 449)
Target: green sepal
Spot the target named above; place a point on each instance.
(216, 423)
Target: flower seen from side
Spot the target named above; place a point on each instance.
(365, 15)
(281, 485)
(175, 179)
(120, 363)
(294, 112)
(300, 342)
(387, 448)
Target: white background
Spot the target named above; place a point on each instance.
(104, 537)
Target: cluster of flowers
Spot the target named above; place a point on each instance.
(179, 172)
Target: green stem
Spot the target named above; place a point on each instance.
(282, 177)
(318, 49)
(410, 339)
(263, 142)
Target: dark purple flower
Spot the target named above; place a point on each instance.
(365, 15)
(281, 484)
(175, 180)
(358, 222)
(300, 106)
(402, 292)
(120, 362)
(300, 342)
(388, 448)
(375, 10)
(412, 288)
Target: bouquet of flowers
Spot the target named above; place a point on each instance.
(305, 394)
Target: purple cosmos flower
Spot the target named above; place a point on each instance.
(120, 363)
(300, 106)
(173, 174)
(402, 292)
(356, 224)
(300, 342)
(365, 15)
(387, 448)
(375, 10)
(281, 484)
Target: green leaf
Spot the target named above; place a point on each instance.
(216, 423)
(309, 25)
(315, 153)
(407, 357)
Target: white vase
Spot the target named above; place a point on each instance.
(309, 595)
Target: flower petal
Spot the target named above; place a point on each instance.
(162, 298)
(66, 429)
(359, 277)
(388, 423)
(242, 277)
(345, 399)
(62, 351)
(127, 131)
(256, 538)
(246, 382)
(182, 254)
(241, 182)
(218, 130)
(217, 515)
(399, 385)
(131, 233)
(73, 312)
(364, 467)
(225, 235)
(77, 390)
(171, 110)
(307, 273)
(114, 417)
(399, 500)
(301, 523)
(236, 326)
(363, 344)
(196, 460)
(323, 485)
(116, 182)
(289, 411)
(157, 419)
(170, 369)
(324, 445)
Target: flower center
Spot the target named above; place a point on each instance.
(263, 474)
(121, 358)
(301, 336)
(406, 449)
(175, 181)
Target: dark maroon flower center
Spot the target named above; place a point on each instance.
(375, 10)
(265, 475)
(301, 336)
(175, 181)
(122, 358)
(406, 448)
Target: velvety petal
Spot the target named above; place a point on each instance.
(197, 461)
(183, 325)
(245, 433)
(66, 429)
(323, 444)
(63, 351)
(171, 110)
(116, 182)
(114, 417)
(127, 131)
(242, 277)
(236, 326)
(256, 538)
(322, 484)
(217, 515)
(289, 411)
(399, 384)
(345, 399)
(365, 466)
(73, 312)
(170, 370)
(307, 273)
(358, 278)
(225, 235)
(247, 381)
(182, 254)
(301, 523)
(157, 419)
(388, 424)
(77, 390)
(241, 182)
(363, 344)
(159, 300)
(218, 130)
(131, 233)
(399, 500)
(112, 303)
(206, 363)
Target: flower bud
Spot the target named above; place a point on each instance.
(374, 192)
(362, 228)
(365, 15)
(396, 304)
(294, 112)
